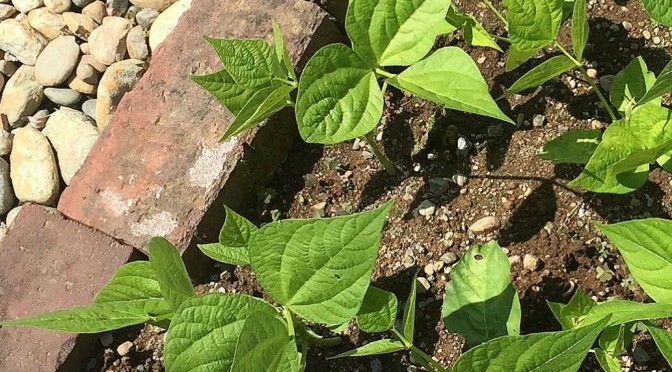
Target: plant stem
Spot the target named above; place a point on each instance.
(304, 356)
(290, 322)
(590, 80)
(291, 83)
(387, 164)
(433, 363)
(497, 13)
(501, 38)
(384, 73)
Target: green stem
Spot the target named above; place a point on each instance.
(497, 13)
(384, 73)
(501, 38)
(290, 322)
(387, 164)
(590, 80)
(433, 363)
(291, 83)
(304, 356)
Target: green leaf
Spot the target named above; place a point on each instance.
(646, 247)
(226, 90)
(170, 271)
(659, 10)
(248, 61)
(621, 161)
(264, 345)
(573, 313)
(205, 330)
(281, 54)
(233, 240)
(575, 146)
(451, 78)
(539, 75)
(394, 32)
(631, 84)
(136, 282)
(615, 339)
(663, 339)
(408, 321)
(517, 57)
(623, 311)
(662, 86)
(261, 106)
(378, 311)
(609, 363)
(319, 268)
(374, 348)
(580, 28)
(96, 318)
(480, 303)
(476, 35)
(339, 98)
(533, 24)
(551, 351)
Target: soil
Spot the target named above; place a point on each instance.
(540, 215)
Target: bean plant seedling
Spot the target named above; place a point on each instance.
(341, 91)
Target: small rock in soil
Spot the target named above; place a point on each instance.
(463, 146)
(63, 96)
(376, 365)
(605, 82)
(514, 259)
(531, 262)
(48, 23)
(426, 208)
(449, 258)
(429, 269)
(33, 167)
(592, 73)
(106, 339)
(57, 61)
(439, 186)
(495, 130)
(20, 40)
(22, 96)
(460, 179)
(108, 42)
(58, 6)
(146, 17)
(423, 284)
(538, 120)
(485, 224)
(125, 348)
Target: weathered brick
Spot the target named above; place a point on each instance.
(158, 167)
(48, 263)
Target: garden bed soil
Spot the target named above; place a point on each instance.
(540, 215)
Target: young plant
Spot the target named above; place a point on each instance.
(341, 91)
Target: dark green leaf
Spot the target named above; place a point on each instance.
(374, 348)
(539, 75)
(575, 146)
(378, 311)
(580, 28)
(408, 321)
(663, 339)
(660, 10)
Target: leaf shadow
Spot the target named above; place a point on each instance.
(531, 216)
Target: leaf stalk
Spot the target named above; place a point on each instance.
(499, 15)
(387, 164)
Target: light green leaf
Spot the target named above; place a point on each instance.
(205, 330)
(533, 24)
(659, 10)
(248, 61)
(615, 339)
(663, 339)
(450, 77)
(623, 311)
(136, 282)
(282, 55)
(608, 362)
(408, 321)
(378, 311)
(480, 303)
(476, 35)
(261, 106)
(170, 271)
(575, 146)
(646, 247)
(394, 32)
(319, 268)
(662, 86)
(228, 92)
(517, 57)
(264, 345)
(549, 352)
(233, 240)
(621, 161)
(374, 348)
(96, 318)
(573, 313)
(339, 98)
(580, 28)
(631, 84)
(539, 75)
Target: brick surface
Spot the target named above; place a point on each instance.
(48, 263)
(158, 166)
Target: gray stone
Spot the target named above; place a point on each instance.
(39, 120)
(81, 3)
(117, 7)
(136, 43)
(33, 167)
(605, 82)
(426, 208)
(439, 186)
(108, 42)
(146, 17)
(87, 73)
(21, 41)
(118, 79)
(63, 96)
(7, 198)
(485, 224)
(449, 258)
(22, 95)
(89, 108)
(72, 134)
(57, 61)
(538, 120)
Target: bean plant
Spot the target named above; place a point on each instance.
(341, 90)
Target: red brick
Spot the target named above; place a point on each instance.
(158, 166)
(48, 263)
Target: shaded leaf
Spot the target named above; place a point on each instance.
(374, 348)
(574, 147)
(631, 84)
(408, 321)
(378, 311)
(608, 362)
(539, 75)
(261, 106)
(663, 339)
